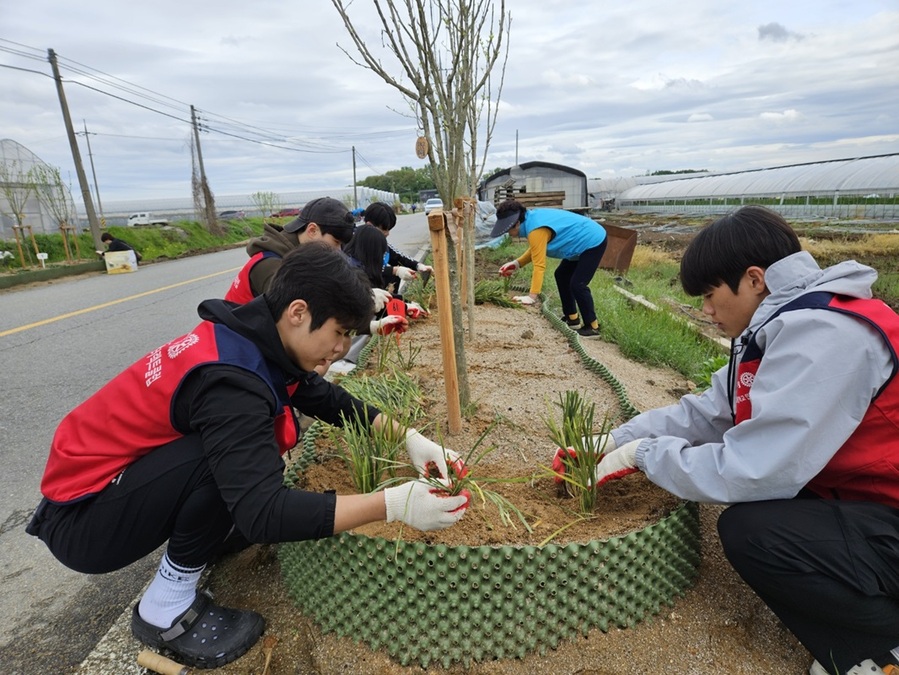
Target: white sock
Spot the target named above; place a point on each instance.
(171, 592)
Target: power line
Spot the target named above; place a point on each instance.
(107, 85)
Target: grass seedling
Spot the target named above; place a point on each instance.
(370, 454)
(467, 480)
(575, 433)
(464, 478)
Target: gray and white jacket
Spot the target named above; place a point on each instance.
(820, 371)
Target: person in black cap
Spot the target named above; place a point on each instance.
(555, 233)
(323, 219)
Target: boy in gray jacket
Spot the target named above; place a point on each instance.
(799, 433)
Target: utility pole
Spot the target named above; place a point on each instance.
(90, 156)
(76, 154)
(208, 203)
(355, 198)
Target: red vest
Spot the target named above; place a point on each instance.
(866, 467)
(241, 290)
(132, 414)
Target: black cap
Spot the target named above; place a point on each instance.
(323, 211)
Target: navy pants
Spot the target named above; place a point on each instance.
(168, 494)
(828, 569)
(573, 279)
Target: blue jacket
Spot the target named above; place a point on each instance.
(573, 233)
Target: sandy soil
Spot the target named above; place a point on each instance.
(518, 362)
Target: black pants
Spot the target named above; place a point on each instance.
(168, 494)
(573, 279)
(828, 569)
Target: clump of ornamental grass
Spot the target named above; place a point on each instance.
(494, 292)
(582, 448)
(393, 391)
(420, 291)
(370, 454)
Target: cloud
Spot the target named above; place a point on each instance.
(777, 33)
(714, 85)
(785, 117)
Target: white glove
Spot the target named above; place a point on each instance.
(415, 311)
(421, 505)
(604, 443)
(509, 268)
(619, 462)
(426, 454)
(524, 299)
(405, 273)
(424, 268)
(380, 297)
(388, 325)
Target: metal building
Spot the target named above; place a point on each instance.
(530, 178)
(863, 188)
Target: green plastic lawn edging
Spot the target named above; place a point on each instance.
(443, 604)
(440, 604)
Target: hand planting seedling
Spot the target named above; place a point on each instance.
(579, 449)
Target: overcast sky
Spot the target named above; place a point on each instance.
(611, 89)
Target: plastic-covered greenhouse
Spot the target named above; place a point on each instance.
(864, 187)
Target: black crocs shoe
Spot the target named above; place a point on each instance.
(571, 323)
(205, 636)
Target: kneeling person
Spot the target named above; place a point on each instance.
(204, 454)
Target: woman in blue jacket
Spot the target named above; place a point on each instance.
(555, 233)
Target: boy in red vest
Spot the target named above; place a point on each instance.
(185, 445)
(799, 433)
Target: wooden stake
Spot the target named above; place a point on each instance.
(437, 226)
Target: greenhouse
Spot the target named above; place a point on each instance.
(34, 189)
(861, 188)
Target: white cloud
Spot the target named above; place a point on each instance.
(787, 116)
(607, 90)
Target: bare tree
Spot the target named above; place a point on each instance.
(266, 202)
(446, 51)
(17, 186)
(54, 194)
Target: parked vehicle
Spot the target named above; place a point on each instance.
(433, 203)
(286, 213)
(232, 215)
(145, 219)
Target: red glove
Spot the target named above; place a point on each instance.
(509, 268)
(559, 462)
(388, 325)
(415, 311)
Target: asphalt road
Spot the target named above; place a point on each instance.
(60, 342)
